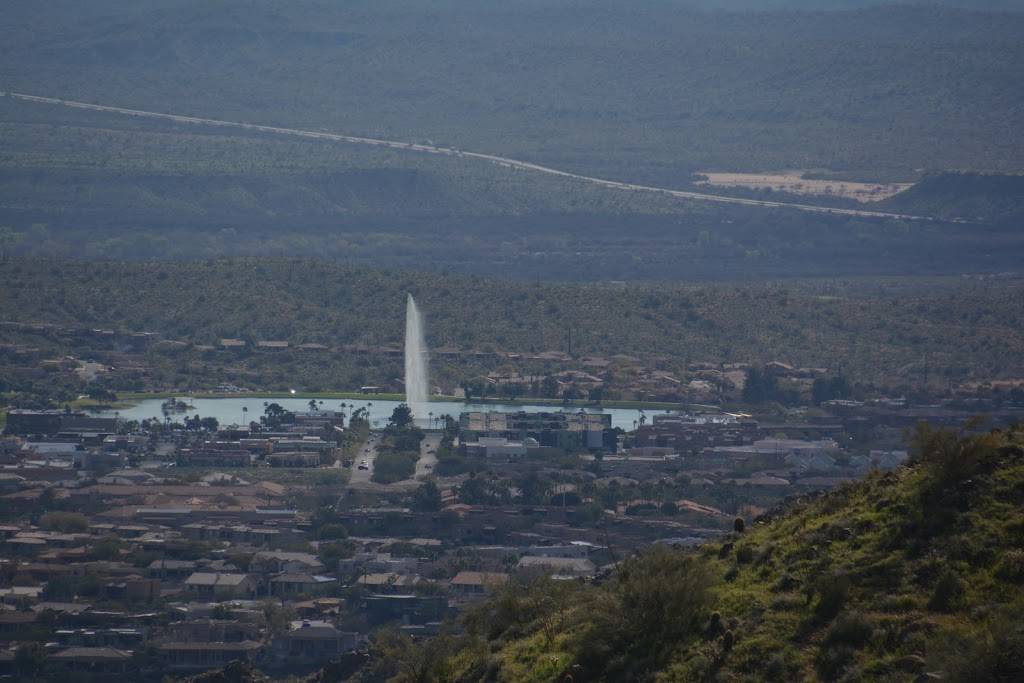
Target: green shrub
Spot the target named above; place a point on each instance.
(948, 593)
(949, 456)
(764, 556)
(775, 669)
(885, 575)
(642, 510)
(1011, 567)
(833, 592)
(993, 651)
(714, 627)
(330, 532)
(786, 583)
(65, 522)
(744, 554)
(831, 662)
(851, 628)
(787, 602)
(655, 602)
(899, 603)
(392, 466)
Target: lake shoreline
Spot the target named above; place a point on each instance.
(132, 398)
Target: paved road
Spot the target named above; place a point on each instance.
(505, 162)
(361, 478)
(428, 455)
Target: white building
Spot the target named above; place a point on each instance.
(497, 447)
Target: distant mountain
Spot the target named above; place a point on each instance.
(984, 197)
(774, 5)
(646, 92)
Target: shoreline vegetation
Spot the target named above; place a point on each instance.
(128, 399)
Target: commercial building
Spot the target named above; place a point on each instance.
(571, 431)
(689, 434)
(25, 422)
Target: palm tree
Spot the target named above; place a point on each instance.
(245, 410)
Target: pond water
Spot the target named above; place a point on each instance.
(242, 410)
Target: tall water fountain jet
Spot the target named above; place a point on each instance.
(416, 361)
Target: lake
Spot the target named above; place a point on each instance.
(230, 410)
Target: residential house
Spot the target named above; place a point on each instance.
(120, 638)
(377, 563)
(290, 585)
(16, 595)
(278, 561)
(219, 586)
(579, 549)
(318, 608)
(314, 640)
(562, 566)
(174, 570)
(477, 583)
(404, 607)
(15, 624)
(207, 655)
(212, 630)
(93, 660)
(388, 582)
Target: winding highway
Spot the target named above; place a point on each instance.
(505, 162)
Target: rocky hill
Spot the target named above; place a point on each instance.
(906, 576)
